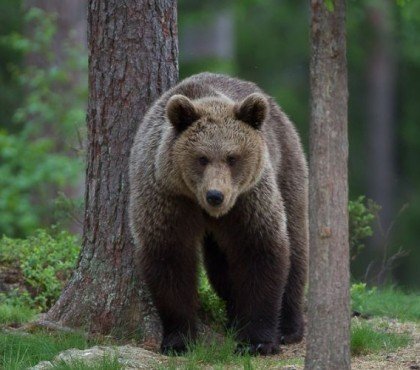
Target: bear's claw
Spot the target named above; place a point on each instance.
(254, 349)
(173, 345)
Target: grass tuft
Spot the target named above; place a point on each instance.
(22, 350)
(15, 314)
(217, 353)
(106, 363)
(366, 338)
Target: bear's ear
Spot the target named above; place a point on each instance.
(252, 110)
(181, 112)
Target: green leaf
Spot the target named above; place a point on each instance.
(329, 5)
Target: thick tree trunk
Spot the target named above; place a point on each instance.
(328, 311)
(381, 97)
(133, 59)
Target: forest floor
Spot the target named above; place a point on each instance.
(385, 335)
(396, 345)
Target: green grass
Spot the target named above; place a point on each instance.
(218, 354)
(388, 302)
(214, 352)
(106, 363)
(15, 314)
(365, 339)
(22, 350)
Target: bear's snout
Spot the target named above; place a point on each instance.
(214, 197)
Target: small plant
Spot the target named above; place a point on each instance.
(46, 260)
(362, 213)
(359, 294)
(365, 339)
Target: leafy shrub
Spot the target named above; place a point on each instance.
(362, 213)
(46, 260)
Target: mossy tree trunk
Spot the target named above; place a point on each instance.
(328, 312)
(133, 59)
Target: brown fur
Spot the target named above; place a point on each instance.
(216, 132)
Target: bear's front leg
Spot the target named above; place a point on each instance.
(168, 240)
(258, 253)
(170, 273)
(258, 288)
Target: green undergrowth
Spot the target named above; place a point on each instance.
(21, 350)
(389, 302)
(212, 308)
(378, 335)
(367, 338)
(45, 261)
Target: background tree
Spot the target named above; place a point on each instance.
(381, 78)
(133, 59)
(328, 299)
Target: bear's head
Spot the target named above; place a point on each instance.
(219, 148)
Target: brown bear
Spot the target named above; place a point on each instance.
(217, 164)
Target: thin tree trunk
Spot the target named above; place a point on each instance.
(328, 307)
(133, 59)
(381, 97)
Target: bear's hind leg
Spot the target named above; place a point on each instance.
(291, 316)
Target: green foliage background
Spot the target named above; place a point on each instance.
(38, 157)
(40, 153)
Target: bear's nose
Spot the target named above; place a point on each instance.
(214, 197)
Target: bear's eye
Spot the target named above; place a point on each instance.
(231, 160)
(203, 160)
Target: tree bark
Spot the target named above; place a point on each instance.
(381, 97)
(133, 59)
(328, 297)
